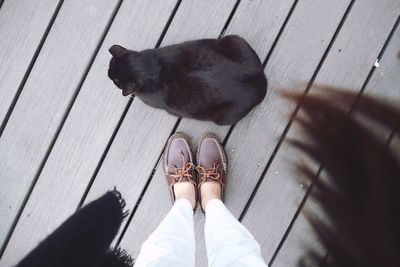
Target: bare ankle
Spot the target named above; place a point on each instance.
(209, 191)
(185, 190)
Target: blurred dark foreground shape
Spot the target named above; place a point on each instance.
(84, 238)
(359, 191)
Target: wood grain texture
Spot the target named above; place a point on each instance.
(41, 106)
(259, 22)
(351, 72)
(145, 130)
(292, 64)
(42, 103)
(301, 238)
(22, 25)
(382, 85)
(385, 82)
(289, 67)
(141, 226)
(89, 126)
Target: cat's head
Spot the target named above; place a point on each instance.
(122, 69)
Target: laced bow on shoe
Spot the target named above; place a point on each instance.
(209, 174)
(178, 174)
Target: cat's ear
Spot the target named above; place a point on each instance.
(129, 89)
(116, 50)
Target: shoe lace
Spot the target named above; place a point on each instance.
(177, 174)
(209, 174)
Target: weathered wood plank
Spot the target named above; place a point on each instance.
(259, 22)
(383, 84)
(143, 134)
(301, 239)
(78, 149)
(42, 104)
(90, 108)
(22, 26)
(389, 79)
(347, 65)
(141, 226)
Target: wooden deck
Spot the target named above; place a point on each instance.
(67, 135)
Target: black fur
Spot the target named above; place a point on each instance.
(84, 239)
(361, 195)
(210, 79)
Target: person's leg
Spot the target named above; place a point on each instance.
(173, 243)
(228, 242)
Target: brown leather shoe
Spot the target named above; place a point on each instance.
(211, 163)
(178, 163)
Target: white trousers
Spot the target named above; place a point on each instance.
(228, 242)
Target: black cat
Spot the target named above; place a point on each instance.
(210, 79)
